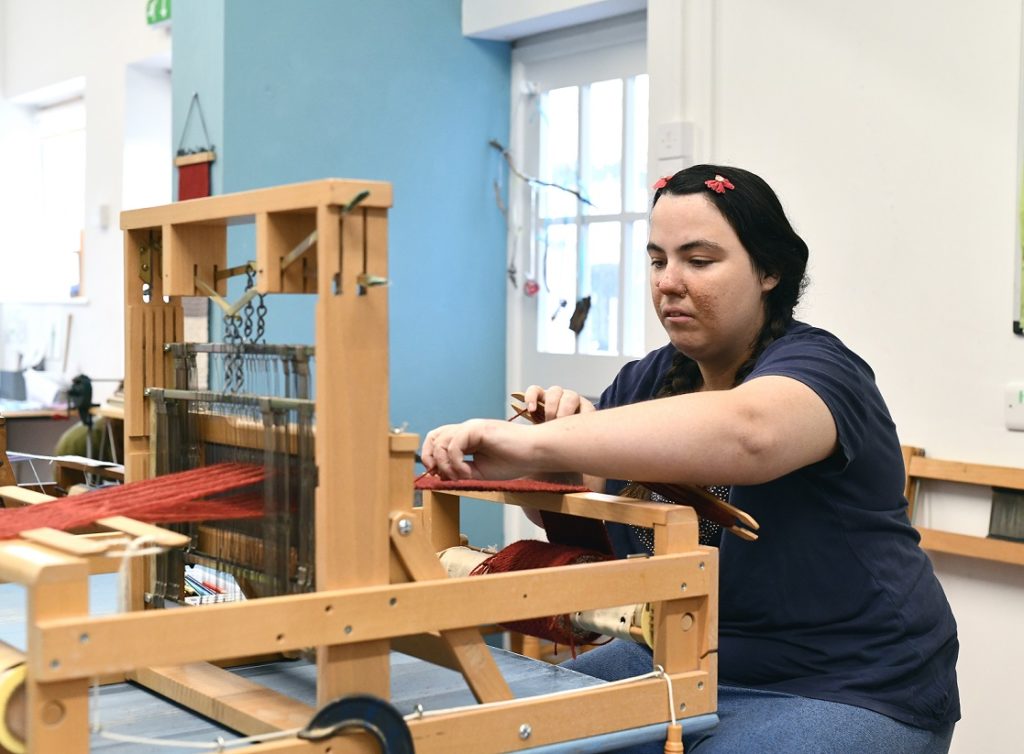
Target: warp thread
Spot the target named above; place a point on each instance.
(170, 498)
(532, 553)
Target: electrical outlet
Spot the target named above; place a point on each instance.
(1013, 406)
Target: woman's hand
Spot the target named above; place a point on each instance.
(500, 450)
(558, 402)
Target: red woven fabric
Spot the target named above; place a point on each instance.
(164, 499)
(430, 482)
(193, 181)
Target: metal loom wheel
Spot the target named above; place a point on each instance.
(362, 712)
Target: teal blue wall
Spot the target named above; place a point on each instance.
(197, 67)
(388, 90)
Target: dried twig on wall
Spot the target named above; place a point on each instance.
(535, 181)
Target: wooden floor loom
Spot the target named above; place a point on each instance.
(379, 584)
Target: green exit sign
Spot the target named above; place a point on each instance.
(158, 12)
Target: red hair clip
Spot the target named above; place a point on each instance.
(719, 184)
(661, 183)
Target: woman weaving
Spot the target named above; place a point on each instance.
(834, 634)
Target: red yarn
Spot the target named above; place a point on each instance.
(532, 553)
(169, 498)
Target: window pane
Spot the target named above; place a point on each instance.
(557, 296)
(636, 145)
(63, 168)
(559, 150)
(601, 252)
(602, 147)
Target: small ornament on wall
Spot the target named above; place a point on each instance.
(194, 164)
(579, 316)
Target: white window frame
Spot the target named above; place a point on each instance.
(620, 50)
(43, 269)
(587, 373)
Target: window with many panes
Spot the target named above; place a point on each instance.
(578, 259)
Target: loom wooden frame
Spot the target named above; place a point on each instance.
(379, 583)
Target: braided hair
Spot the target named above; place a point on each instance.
(755, 213)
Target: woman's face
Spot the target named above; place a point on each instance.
(706, 292)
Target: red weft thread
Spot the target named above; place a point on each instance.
(165, 499)
(532, 553)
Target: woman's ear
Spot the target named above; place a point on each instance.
(768, 282)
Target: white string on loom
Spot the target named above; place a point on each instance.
(139, 546)
(660, 672)
(218, 745)
(421, 713)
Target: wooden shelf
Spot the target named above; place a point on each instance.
(921, 469)
(967, 546)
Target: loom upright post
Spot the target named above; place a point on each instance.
(57, 712)
(352, 547)
(149, 322)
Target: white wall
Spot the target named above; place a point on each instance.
(147, 169)
(47, 42)
(890, 130)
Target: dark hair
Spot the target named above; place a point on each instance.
(754, 211)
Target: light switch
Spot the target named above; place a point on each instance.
(1013, 406)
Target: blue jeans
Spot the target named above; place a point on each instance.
(765, 721)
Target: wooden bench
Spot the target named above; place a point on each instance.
(921, 469)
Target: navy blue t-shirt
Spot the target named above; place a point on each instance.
(835, 600)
